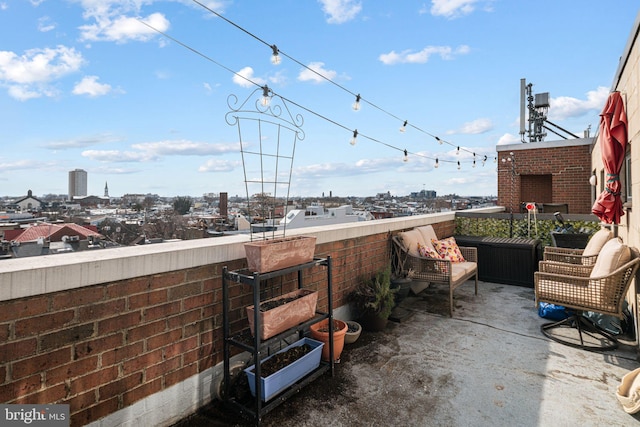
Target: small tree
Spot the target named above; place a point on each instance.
(181, 205)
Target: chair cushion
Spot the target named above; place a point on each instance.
(428, 233)
(448, 249)
(410, 240)
(597, 241)
(613, 255)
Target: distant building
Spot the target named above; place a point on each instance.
(77, 183)
(29, 203)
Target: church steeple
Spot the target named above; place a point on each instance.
(106, 189)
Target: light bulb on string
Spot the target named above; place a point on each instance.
(484, 160)
(458, 151)
(439, 140)
(275, 58)
(265, 100)
(474, 163)
(356, 105)
(403, 127)
(436, 165)
(406, 156)
(354, 138)
(458, 164)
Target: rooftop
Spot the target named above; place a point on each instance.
(488, 365)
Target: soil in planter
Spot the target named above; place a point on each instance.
(269, 305)
(281, 360)
(336, 327)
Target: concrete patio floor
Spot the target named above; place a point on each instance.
(487, 366)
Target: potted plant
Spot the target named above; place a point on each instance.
(374, 298)
(402, 283)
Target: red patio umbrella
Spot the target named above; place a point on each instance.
(613, 144)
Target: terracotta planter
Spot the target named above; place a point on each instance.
(318, 333)
(370, 321)
(264, 256)
(285, 316)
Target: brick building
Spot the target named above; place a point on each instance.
(553, 173)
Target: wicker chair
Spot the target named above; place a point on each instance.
(599, 288)
(586, 256)
(433, 270)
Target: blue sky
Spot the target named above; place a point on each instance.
(85, 84)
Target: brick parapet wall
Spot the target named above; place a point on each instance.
(568, 164)
(103, 347)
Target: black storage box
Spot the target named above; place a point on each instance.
(510, 261)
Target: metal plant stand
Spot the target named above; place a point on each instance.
(252, 407)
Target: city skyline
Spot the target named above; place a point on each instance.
(136, 94)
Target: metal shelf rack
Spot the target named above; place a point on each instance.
(252, 407)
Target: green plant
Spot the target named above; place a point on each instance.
(375, 294)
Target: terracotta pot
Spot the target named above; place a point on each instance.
(370, 321)
(318, 333)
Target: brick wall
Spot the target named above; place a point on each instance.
(103, 347)
(565, 166)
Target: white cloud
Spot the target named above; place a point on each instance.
(28, 76)
(474, 127)
(117, 156)
(452, 8)
(508, 138)
(245, 78)
(565, 107)
(215, 165)
(151, 151)
(89, 86)
(340, 11)
(45, 25)
(307, 75)
(185, 148)
(421, 57)
(120, 28)
(84, 141)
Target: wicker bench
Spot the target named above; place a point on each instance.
(431, 269)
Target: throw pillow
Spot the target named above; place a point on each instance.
(427, 251)
(448, 249)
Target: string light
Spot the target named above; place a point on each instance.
(268, 93)
(406, 156)
(436, 165)
(458, 164)
(275, 58)
(265, 100)
(277, 54)
(403, 127)
(474, 163)
(356, 105)
(355, 136)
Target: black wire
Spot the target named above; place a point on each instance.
(440, 140)
(197, 52)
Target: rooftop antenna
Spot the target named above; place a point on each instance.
(538, 106)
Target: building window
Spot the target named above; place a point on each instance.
(626, 176)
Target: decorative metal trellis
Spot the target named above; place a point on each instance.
(268, 133)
